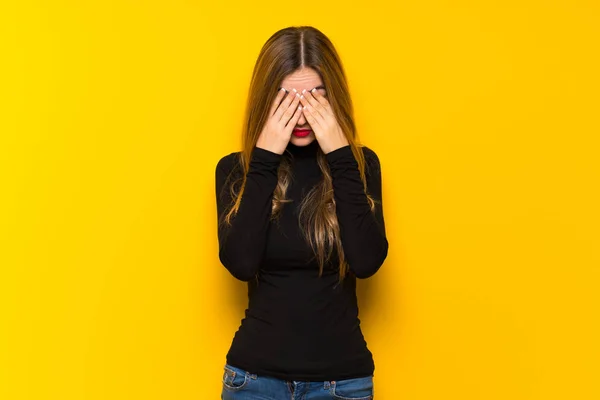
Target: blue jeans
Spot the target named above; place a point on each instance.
(239, 384)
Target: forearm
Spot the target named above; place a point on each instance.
(362, 230)
(242, 243)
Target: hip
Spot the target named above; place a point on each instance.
(241, 384)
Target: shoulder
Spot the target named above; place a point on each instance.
(229, 168)
(369, 153)
(372, 161)
(228, 162)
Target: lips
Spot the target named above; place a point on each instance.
(301, 132)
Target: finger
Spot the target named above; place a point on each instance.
(284, 105)
(307, 102)
(310, 117)
(319, 108)
(322, 100)
(290, 110)
(277, 101)
(292, 123)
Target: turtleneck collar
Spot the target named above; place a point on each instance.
(310, 150)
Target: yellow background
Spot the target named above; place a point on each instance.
(485, 118)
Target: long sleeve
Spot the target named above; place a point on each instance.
(362, 231)
(242, 244)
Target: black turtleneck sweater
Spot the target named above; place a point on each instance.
(299, 326)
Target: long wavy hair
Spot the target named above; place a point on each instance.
(286, 51)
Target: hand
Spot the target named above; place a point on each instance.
(282, 119)
(321, 119)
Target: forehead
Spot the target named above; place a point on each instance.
(305, 78)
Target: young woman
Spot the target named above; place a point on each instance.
(300, 218)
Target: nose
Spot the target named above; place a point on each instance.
(301, 120)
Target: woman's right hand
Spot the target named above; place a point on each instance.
(282, 119)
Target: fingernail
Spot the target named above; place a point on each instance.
(294, 90)
(301, 96)
(314, 90)
(304, 91)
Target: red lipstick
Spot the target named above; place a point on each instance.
(301, 132)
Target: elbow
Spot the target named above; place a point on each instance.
(242, 268)
(365, 267)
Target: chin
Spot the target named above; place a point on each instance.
(298, 141)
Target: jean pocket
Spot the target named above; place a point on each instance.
(235, 378)
(353, 389)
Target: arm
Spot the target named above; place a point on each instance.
(362, 231)
(242, 244)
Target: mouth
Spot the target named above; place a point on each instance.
(301, 132)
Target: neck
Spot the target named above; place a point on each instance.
(310, 150)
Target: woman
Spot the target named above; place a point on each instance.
(300, 218)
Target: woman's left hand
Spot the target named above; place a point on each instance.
(322, 121)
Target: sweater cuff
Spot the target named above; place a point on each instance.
(344, 152)
(261, 154)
